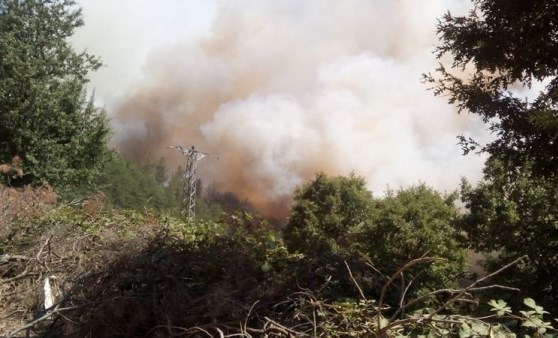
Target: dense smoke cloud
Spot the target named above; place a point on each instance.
(283, 89)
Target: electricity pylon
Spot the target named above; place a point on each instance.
(190, 180)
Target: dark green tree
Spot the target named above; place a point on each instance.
(161, 171)
(131, 186)
(47, 120)
(511, 215)
(325, 211)
(497, 46)
(412, 222)
(338, 215)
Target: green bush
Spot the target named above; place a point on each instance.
(338, 215)
(324, 213)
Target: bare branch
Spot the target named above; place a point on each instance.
(396, 275)
(458, 297)
(354, 281)
(474, 284)
(248, 316)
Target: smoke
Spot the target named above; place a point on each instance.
(282, 89)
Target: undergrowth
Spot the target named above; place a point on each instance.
(117, 273)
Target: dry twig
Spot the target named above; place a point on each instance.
(354, 281)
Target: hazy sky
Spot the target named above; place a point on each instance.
(124, 32)
(280, 90)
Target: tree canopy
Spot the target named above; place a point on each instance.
(414, 221)
(504, 69)
(48, 122)
(511, 215)
(498, 49)
(339, 215)
(325, 210)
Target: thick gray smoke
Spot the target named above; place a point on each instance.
(282, 89)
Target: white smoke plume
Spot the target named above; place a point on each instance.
(280, 90)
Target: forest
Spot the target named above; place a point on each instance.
(95, 244)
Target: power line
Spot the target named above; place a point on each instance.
(190, 180)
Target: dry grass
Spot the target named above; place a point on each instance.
(18, 206)
(24, 204)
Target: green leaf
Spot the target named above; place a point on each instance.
(266, 267)
(500, 307)
(465, 331)
(527, 314)
(537, 323)
(480, 328)
(383, 322)
(531, 303)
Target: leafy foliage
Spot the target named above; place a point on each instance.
(129, 185)
(351, 264)
(47, 119)
(325, 211)
(506, 44)
(513, 215)
(410, 223)
(337, 215)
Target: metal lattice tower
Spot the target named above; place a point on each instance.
(190, 180)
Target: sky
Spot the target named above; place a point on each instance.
(280, 90)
